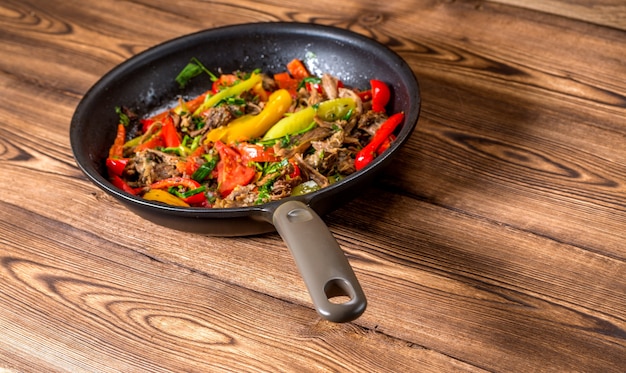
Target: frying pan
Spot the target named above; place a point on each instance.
(146, 83)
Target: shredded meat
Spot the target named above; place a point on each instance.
(148, 166)
(282, 187)
(214, 117)
(310, 172)
(314, 98)
(239, 197)
(371, 121)
(325, 157)
(302, 142)
(329, 86)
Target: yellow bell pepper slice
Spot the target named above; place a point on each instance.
(252, 126)
(159, 195)
(291, 124)
(330, 110)
(336, 109)
(231, 91)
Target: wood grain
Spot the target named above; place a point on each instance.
(495, 242)
(605, 13)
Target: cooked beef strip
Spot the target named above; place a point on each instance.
(148, 166)
(329, 86)
(310, 172)
(240, 196)
(370, 121)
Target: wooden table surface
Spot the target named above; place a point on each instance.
(496, 242)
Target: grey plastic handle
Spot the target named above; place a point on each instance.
(321, 262)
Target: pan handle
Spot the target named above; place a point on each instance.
(321, 262)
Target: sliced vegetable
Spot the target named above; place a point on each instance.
(336, 109)
(147, 123)
(117, 149)
(297, 69)
(169, 134)
(224, 81)
(204, 170)
(304, 188)
(231, 91)
(285, 81)
(296, 169)
(252, 126)
(153, 142)
(121, 184)
(380, 95)
(330, 110)
(291, 124)
(231, 170)
(367, 154)
(256, 153)
(197, 199)
(160, 195)
(386, 144)
(116, 166)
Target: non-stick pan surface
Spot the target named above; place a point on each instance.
(146, 80)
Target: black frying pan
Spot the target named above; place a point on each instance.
(143, 81)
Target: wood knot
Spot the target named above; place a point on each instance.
(371, 19)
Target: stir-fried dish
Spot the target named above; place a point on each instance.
(252, 138)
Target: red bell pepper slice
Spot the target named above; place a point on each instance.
(196, 199)
(145, 124)
(380, 95)
(297, 69)
(285, 81)
(296, 169)
(121, 184)
(170, 136)
(367, 154)
(231, 169)
(153, 142)
(192, 164)
(117, 149)
(365, 95)
(385, 145)
(116, 166)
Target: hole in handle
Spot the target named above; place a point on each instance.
(338, 291)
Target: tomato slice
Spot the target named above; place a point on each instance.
(232, 170)
(256, 153)
(225, 80)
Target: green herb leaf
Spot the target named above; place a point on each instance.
(205, 170)
(191, 70)
(124, 119)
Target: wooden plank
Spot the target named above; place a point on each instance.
(609, 13)
(74, 300)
